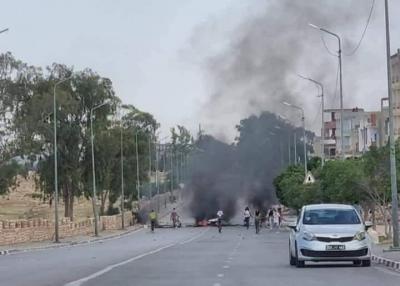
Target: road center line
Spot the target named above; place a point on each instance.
(79, 282)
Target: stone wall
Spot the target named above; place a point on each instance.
(19, 231)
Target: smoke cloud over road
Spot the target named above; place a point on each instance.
(255, 72)
(258, 67)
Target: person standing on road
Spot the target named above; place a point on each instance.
(220, 214)
(247, 216)
(153, 219)
(257, 220)
(271, 218)
(277, 217)
(174, 217)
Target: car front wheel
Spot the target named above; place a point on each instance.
(292, 259)
(299, 263)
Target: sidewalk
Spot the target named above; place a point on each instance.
(381, 255)
(83, 239)
(75, 240)
(380, 247)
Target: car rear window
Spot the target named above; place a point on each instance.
(330, 216)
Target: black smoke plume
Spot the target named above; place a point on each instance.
(221, 174)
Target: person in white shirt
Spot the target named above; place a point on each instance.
(247, 216)
(220, 214)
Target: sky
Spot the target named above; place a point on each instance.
(161, 55)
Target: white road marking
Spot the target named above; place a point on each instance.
(79, 282)
(220, 275)
(217, 284)
(226, 266)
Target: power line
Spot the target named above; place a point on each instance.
(365, 30)
(326, 46)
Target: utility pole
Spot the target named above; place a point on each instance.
(137, 169)
(295, 148)
(172, 170)
(122, 179)
(150, 171)
(164, 167)
(157, 184)
(393, 175)
(322, 117)
(304, 133)
(56, 224)
(94, 194)
(342, 153)
(289, 151)
(304, 142)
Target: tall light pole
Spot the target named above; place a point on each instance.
(295, 148)
(150, 172)
(4, 30)
(157, 163)
(96, 230)
(137, 168)
(304, 134)
(340, 83)
(393, 175)
(289, 151)
(157, 184)
(322, 117)
(56, 225)
(122, 176)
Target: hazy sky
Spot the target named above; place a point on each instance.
(153, 51)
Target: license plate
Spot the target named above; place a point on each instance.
(335, 247)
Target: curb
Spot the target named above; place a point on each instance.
(72, 243)
(394, 265)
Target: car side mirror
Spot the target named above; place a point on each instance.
(292, 225)
(368, 225)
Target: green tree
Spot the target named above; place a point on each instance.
(340, 181)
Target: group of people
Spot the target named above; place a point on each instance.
(272, 218)
(174, 217)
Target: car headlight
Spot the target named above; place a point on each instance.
(308, 236)
(360, 235)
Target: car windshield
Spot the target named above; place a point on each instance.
(330, 216)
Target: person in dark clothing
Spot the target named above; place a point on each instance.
(257, 220)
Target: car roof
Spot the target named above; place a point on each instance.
(328, 206)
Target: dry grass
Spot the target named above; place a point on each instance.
(24, 202)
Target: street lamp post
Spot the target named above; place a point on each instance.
(137, 169)
(150, 171)
(157, 183)
(393, 175)
(322, 117)
(96, 230)
(122, 178)
(295, 147)
(4, 30)
(304, 133)
(340, 83)
(56, 225)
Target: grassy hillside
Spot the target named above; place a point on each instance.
(24, 202)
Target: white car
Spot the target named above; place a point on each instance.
(329, 232)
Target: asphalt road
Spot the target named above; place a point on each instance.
(187, 256)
